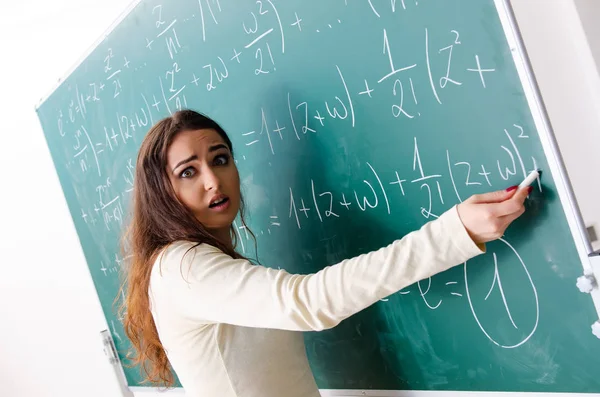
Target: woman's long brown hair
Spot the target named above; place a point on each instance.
(158, 219)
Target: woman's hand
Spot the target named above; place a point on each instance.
(486, 216)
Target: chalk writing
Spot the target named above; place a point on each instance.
(329, 140)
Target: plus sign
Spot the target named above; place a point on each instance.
(303, 208)
(297, 23)
(114, 137)
(132, 125)
(195, 81)
(485, 174)
(480, 70)
(103, 268)
(236, 56)
(344, 202)
(398, 182)
(278, 129)
(126, 63)
(320, 118)
(149, 43)
(368, 90)
(156, 102)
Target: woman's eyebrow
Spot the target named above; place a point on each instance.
(191, 158)
(217, 147)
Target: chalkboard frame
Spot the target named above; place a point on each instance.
(551, 151)
(542, 123)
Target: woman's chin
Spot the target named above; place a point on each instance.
(221, 221)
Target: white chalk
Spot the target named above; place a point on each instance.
(530, 178)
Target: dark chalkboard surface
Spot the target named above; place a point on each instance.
(354, 123)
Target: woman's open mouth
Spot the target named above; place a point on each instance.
(219, 203)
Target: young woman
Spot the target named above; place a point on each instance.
(229, 327)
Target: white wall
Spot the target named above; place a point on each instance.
(589, 13)
(50, 317)
(49, 314)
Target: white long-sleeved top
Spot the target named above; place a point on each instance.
(228, 325)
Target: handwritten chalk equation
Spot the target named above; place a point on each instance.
(376, 193)
(171, 66)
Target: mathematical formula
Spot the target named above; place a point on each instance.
(106, 117)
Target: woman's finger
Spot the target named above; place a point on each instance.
(492, 197)
(512, 205)
(510, 218)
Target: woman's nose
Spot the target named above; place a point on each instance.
(211, 181)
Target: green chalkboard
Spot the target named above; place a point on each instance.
(353, 123)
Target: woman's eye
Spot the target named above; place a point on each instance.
(188, 172)
(221, 159)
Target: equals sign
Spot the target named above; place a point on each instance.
(250, 133)
(273, 223)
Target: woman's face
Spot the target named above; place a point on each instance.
(205, 178)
